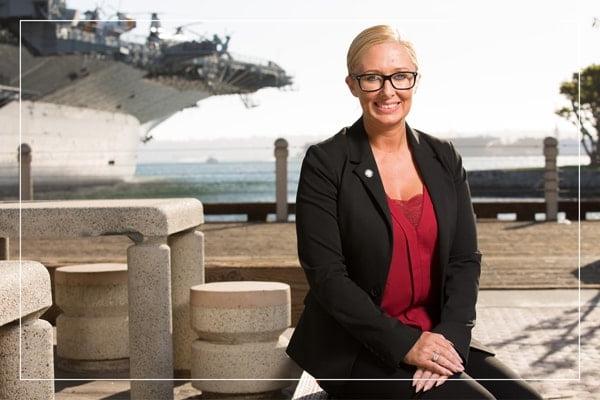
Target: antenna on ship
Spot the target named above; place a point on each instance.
(248, 100)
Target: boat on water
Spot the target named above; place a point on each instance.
(88, 96)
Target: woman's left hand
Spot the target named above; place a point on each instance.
(421, 374)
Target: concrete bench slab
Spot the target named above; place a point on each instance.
(77, 218)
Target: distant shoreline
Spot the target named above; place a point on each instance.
(213, 183)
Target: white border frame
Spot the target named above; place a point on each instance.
(578, 379)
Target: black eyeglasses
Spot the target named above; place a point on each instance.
(371, 82)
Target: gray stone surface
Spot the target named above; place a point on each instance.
(91, 290)
(94, 326)
(281, 179)
(35, 358)
(76, 218)
(35, 297)
(187, 270)
(148, 222)
(252, 361)
(237, 312)
(241, 326)
(92, 338)
(150, 319)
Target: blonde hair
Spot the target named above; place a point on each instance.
(372, 36)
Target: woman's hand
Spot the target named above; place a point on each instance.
(420, 382)
(433, 352)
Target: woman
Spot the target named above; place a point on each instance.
(386, 237)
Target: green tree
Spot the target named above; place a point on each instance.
(584, 98)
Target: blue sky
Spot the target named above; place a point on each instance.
(487, 67)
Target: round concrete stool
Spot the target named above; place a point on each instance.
(239, 325)
(92, 334)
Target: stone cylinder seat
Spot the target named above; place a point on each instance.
(92, 333)
(239, 327)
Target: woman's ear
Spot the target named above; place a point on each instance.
(352, 85)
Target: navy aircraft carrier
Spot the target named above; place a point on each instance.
(89, 95)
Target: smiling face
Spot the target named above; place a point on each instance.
(387, 107)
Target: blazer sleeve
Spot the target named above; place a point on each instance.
(322, 259)
(461, 285)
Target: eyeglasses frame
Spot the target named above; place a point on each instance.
(385, 78)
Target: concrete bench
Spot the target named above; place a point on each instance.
(167, 257)
(309, 389)
(25, 295)
(240, 328)
(92, 333)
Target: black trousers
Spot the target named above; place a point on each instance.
(481, 365)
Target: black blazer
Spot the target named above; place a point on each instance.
(345, 238)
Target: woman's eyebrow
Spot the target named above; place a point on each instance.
(376, 71)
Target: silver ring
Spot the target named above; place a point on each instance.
(435, 356)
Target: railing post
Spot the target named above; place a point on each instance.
(4, 249)
(551, 178)
(24, 158)
(281, 154)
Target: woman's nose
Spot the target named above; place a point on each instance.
(388, 89)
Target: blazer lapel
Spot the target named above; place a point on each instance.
(440, 187)
(366, 169)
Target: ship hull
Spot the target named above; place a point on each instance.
(70, 145)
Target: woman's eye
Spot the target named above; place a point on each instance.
(372, 78)
(400, 77)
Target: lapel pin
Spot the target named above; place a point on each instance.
(368, 172)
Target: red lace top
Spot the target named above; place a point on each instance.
(412, 288)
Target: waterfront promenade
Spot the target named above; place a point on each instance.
(528, 309)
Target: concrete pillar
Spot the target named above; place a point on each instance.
(240, 326)
(4, 249)
(551, 178)
(281, 155)
(187, 270)
(92, 334)
(36, 360)
(24, 158)
(150, 334)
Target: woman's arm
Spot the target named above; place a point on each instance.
(321, 257)
(464, 265)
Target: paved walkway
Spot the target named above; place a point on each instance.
(536, 332)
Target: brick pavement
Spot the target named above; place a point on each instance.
(537, 334)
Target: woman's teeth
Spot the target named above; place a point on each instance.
(387, 106)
